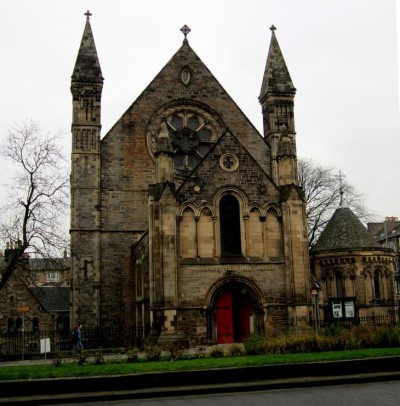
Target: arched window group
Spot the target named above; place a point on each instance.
(14, 325)
(340, 283)
(229, 230)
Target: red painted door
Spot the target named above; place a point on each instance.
(224, 319)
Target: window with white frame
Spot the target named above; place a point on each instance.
(53, 276)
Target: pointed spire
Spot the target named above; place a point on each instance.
(87, 66)
(276, 75)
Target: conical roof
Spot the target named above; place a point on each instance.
(345, 231)
(87, 65)
(276, 75)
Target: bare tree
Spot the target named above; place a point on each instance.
(324, 188)
(33, 218)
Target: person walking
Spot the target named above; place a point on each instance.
(77, 337)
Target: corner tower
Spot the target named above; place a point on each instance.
(86, 88)
(277, 102)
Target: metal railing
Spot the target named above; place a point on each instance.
(390, 319)
(27, 344)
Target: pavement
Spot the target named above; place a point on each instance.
(190, 383)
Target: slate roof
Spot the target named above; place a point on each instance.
(392, 232)
(51, 264)
(345, 231)
(52, 298)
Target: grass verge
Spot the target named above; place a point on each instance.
(119, 367)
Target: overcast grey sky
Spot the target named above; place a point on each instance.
(341, 54)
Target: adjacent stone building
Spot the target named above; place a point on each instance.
(186, 222)
(388, 234)
(355, 272)
(36, 296)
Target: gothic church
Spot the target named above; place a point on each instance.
(186, 222)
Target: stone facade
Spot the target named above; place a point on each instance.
(187, 224)
(36, 296)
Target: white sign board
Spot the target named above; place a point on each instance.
(337, 310)
(349, 309)
(44, 345)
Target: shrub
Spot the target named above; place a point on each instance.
(80, 357)
(132, 355)
(346, 339)
(217, 352)
(388, 337)
(235, 350)
(255, 345)
(57, 359)
(201, 352)
(174, 350)
(152, 352)
(99, 358)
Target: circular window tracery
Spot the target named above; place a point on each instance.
(192, 132)
(229, 162)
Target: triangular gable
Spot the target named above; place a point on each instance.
(212, 173)
(185, 79)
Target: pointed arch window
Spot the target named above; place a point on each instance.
(18, 324)
(340, 292)
(377, 285)
(11, 325)
(35, 324)
(229, 213)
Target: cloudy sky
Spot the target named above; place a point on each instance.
(342, 56)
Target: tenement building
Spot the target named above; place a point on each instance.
(186, 222)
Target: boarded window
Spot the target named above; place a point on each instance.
(206, 234)
(188, 234)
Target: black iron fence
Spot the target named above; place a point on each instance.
(29, 344)
(390, 319)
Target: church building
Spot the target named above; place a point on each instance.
(186, 222)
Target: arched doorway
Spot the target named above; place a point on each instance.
(236, 312)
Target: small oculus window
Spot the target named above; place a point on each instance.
(229, 162)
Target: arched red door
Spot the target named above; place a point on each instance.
(224, 318)
(232, 312)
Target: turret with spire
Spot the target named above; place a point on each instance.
(86, 89)
(277, 101)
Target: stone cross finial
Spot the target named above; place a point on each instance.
(272, 28)
(88, 14)
(185, 29)
(341, 176)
